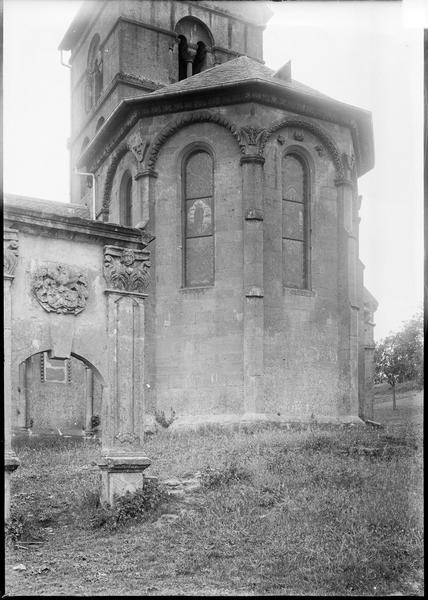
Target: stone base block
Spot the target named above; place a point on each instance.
(224, 420)
(120, 475)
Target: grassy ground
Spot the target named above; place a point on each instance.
(315, 511)
(409, 406)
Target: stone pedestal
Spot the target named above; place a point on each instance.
(123, 459)
(120, 475)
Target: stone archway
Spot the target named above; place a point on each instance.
(60, 396)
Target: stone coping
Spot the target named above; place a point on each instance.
(59, 220)
(126, 463)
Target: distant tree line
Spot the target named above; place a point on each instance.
(399, 356)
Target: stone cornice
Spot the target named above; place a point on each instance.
(64, 227)
(129, 111)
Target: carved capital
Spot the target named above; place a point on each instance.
(349, 165)
(60, 288)
(189, 55)
(126, 270)
(253, 138)
(138, 145)
(10, 252)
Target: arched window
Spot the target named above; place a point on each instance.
(195, 46)
(295, 222)
(94, 73)
(99, 124)
(125, 200)
(198, 222)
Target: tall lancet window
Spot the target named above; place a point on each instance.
(295, 222)
(198, 226)
(125, 200)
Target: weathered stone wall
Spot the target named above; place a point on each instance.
(199, 331)
(79, 332)
(197, 336)
(301, 327)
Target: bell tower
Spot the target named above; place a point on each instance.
(129, 48)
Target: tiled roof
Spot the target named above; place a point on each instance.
(237, 70)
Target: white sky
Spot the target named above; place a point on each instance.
(369, 54)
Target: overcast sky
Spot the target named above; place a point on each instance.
(369, 54)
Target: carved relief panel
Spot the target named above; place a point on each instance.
(60, 288)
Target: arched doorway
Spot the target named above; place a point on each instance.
(59, 396)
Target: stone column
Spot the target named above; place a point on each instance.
(89, 397)
(10, 260)
(252, 187)
(124, 460)
(145, 184)
(348, 299)
(190, 57)
(148, 181)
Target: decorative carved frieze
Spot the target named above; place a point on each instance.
(317, 131)
(116, 158)
(97, 154)
(60, 288)
(126, 269)
(10, 252)
(197, 117)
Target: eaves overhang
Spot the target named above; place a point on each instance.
(303, 103)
